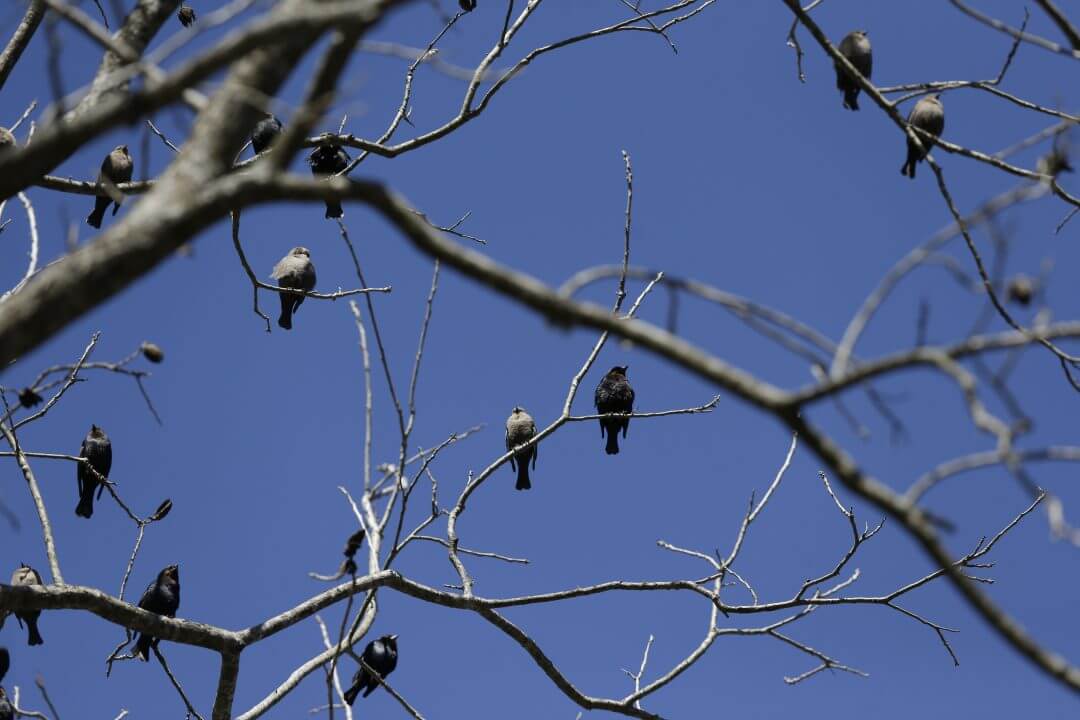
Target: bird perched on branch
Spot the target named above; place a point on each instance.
(115, 169)
(163, 598)
(186, 15)
(928, 115)
(520, 428)
(329, 159)
(351, 546)
(7, 712)
(379, 655)
(97, 449)
(7, 140)
(265, 132)
(295, 270)
(467, 5)
(25, 575)
(856, 48)
(614, 395)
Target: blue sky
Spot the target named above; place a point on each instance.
(744, 178)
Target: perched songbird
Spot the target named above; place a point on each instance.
(28, 398)
(520, 428)
(929, 115)
(295, 270)
(7, 712)
(26, 575)
(152, 352)
(856, 48)
(186, 15)
(351, 546)
(5, 662)
(115, 169)
(329, 160)
(97, 449)
(379, 655)
(163, 598)
(265, 132)
(467, 5)
(7, 140)
(614, 395)
(1020, 290)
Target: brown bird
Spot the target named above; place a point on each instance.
(186, 15)
(520, 428)
(97, 449)
(115, 169)
(295, 270)
(26, 575)
(856, 48)
(928, 115)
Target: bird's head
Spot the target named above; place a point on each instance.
(390, 641)
(172, 573)
(300, 250)
(517, 410)
(862, 33)
(619, 370)
(122, 149)
(95, 430)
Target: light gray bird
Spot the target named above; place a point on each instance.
(26, 575)
(295, 270)
(520, 428)
(928, 115)
(115, 169)
(856, 48)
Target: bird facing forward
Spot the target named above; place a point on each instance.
(115, 169)
(295, 270)
(614, 395)
(162, 597)
(25, 575)
(520, 428)
(97, 449)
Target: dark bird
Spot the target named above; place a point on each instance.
(115, 169)
(295, 270)
(856, 48)
(614, 395)
(1020, 290)
(152, 352)
(467, 5)
(5, 662)
(520, 428)
(7, 712)
(265, 132)
(928, 115)
(351, 546)
(26, 575)
(379, 655)
(186, 15)
(329, 160)
(28, 398)
(97, 449)
(163, 598)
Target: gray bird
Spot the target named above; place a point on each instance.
(7, 712)
(115, 169)
(928, 115)
(614, 395)
(520, 428)
(264, 133)
(186, 15)
(1020, 290)
(856, 48)
(26, 575)
(7, 140)
(381, 656)
(97, 449)
(295, 270)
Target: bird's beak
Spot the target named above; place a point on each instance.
(394, 638)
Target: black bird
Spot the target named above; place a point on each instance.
(614, 395)
(929, 115)
(5, 662)
(856, 48)
(115, 169)
(381, 656)
(28, 398)
(520, 428)
(265, 132)
(186, 15)
(329, 160)
(97, 449)
(26, 575)
(163, 598)
(351, 546)
(295, 270)
(7, 712)
(467, 5)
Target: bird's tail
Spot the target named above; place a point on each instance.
(351, 693)
(86, 502)
(333, 209)
(285, 320)
(851, 99)
(34, 637)
(523, 475)
(908, 168)
(101, 204)
(142, 646)
(612, 440)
